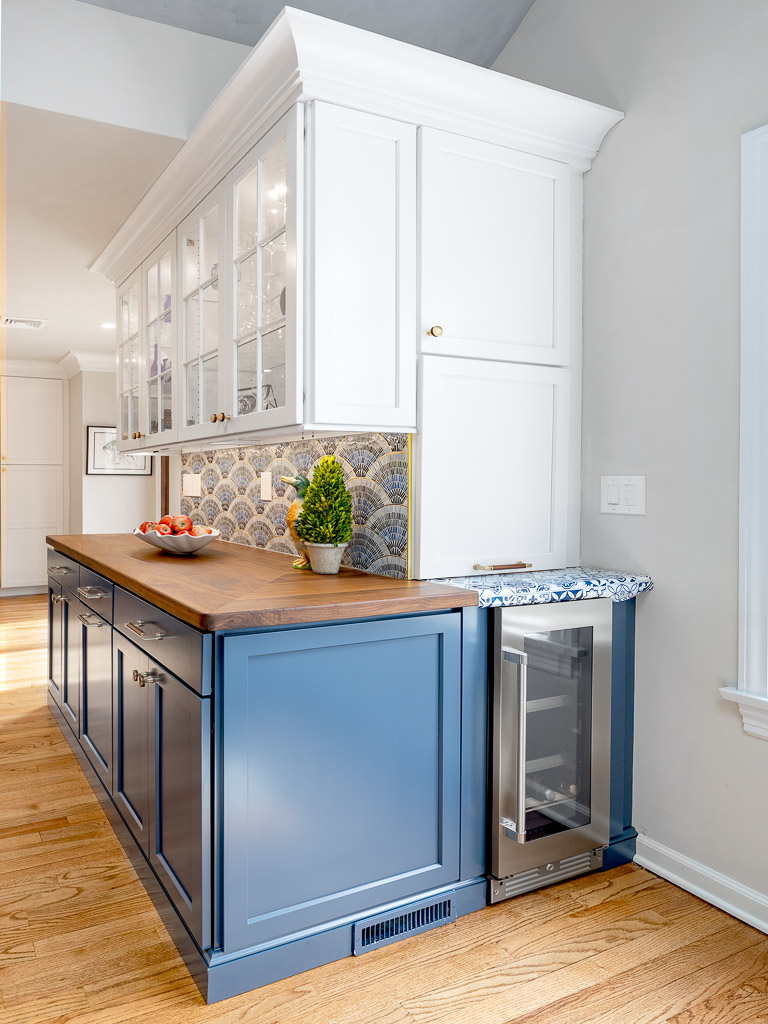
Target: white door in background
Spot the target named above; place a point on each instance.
(498, 231)
(32, 479)
(491, 466)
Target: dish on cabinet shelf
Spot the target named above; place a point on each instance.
(177, 544)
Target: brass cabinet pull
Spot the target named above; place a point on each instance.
(85, 622)
(221, 417)
(435, 331)
(142, 678)
(135, 627)
(213, 417)
(497, 568)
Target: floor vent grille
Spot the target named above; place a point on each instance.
(546, 874)
(416, 917)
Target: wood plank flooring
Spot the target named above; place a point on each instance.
(80, 942)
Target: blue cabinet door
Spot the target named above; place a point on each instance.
(72, 635)
(340, 771)
(130, 739)
(180, 836)
(96, 691)
(55, 641)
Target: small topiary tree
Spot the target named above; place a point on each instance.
(326, 515)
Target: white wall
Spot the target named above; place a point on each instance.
(103, 504)
(661, 385)
(75, 58)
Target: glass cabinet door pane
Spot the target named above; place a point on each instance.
(152, 351)
(192, 327)
(248, 296)
(125, 417)
(153, 407)
(191, 268)
(247, 198)
(165, 283)
(210, 387)
(166, 402)
(134, 399)
(273, 280)
(166, 344)
(211, 317)
(211, 245)
(248, 399)
(273, 363)
(273, 190)
(558, 730)
(192, 411)
(153, 309)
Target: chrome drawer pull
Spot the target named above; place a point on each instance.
(85, 622)
(59, 570)
(135, 627)
(91, 593)
(142, 678)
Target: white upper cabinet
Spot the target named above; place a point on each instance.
(158, 305)
(346, 195)
(506, 426)
(361, 365)
(496, 269)
(201, 379)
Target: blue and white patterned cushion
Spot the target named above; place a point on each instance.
(503, 589)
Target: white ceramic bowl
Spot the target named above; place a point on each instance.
(177, 544)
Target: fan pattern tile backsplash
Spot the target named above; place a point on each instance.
(375, 471)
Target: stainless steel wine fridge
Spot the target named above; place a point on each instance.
(549, 743)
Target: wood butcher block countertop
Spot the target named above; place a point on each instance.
(231, 586)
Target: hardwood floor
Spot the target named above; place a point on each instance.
(80, 941)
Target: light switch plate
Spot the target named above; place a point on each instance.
(622, 495)
(191, 485)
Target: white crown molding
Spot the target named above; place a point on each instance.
(720, 890)
(752, 692)
(32, 368)
(304, 57)
(79, 362)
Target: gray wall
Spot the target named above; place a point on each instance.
(661, 380)
(102, 504)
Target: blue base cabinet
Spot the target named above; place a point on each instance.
(340, 771)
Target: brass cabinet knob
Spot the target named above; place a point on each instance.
(221, 417)
(213, 417)
(435, 331)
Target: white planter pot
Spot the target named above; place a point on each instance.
(325, 558)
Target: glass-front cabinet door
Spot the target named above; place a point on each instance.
(263, 356)
(128, 369)
(551, 735)
(158, 336)
(201, 319)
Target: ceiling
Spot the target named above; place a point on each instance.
(71, 184)
(472, 30)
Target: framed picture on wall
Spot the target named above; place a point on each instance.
(103, 459)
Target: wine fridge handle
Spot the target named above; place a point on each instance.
(516, 829)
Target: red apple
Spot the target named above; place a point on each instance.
(163, 529)
(149, 525)
(179, 524)
(199, 531)
(166, 520)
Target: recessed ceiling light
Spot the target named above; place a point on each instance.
(109, 327)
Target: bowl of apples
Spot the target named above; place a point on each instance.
(176, 534)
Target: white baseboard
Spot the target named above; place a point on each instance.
(738, 900)
(21, 591)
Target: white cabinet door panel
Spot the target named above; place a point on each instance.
(495, 251)
(32, 427)
(491, 466)
(363, 371)
(33, 506)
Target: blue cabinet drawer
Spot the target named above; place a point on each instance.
(340, 769)
(63, 570)
(96, 593)
(183, 650)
